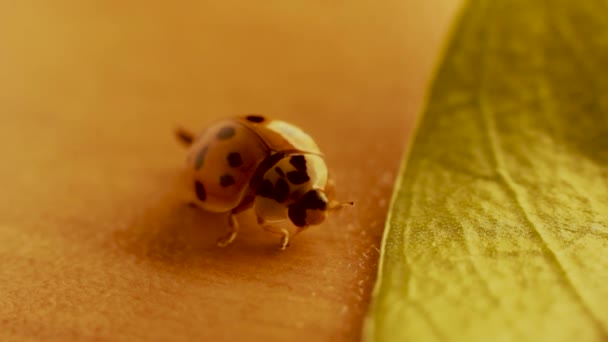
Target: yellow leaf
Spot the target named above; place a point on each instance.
(498, 229)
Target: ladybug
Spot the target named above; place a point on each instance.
(254, 162)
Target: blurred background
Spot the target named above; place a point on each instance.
(94, 241)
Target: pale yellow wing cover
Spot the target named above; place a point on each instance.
(221, 162)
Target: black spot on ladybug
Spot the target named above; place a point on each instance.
(226, 133)
(258, 175)
(295, 195)
(266, 189)
(226, 180)
(297, 177)
(299, 162)
(200, 191)
(279, 171)
(200, 157)
(297, 215)
(255, 118)
(281, 190)
(234, 159)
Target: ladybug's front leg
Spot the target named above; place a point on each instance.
(276, 230)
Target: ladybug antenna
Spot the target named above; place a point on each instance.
(335, 205)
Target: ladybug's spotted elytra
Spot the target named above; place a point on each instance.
(270, 165)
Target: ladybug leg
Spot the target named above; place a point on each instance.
(233, 230)
(276, 230)
(233, 224)
(184, 136)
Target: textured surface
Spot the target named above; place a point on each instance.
(499, 229)
(95, 242)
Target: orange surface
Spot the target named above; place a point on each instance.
(95, 241)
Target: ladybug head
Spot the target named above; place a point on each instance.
(310, 209)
